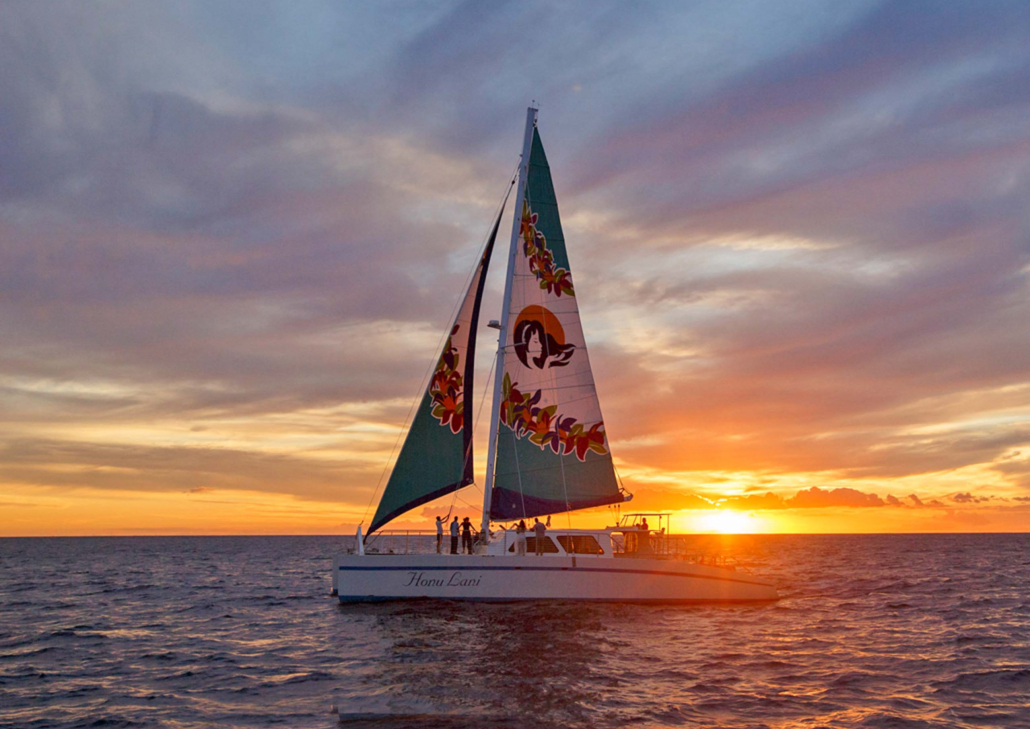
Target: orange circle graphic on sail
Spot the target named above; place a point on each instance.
(539, 339)
(550, 322)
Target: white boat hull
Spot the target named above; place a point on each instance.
(370, 578)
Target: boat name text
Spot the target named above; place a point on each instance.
(419, 579)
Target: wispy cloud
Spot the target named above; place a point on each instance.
(229, 240)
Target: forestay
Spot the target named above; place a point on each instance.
(436, 458)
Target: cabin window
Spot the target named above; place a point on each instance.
(580, 544)
(549, 546)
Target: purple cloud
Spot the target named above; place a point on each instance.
(800, 249)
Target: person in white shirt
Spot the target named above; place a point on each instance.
(439, 533)
(520, 538)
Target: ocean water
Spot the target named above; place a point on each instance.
(871, 631)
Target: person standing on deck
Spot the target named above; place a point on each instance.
(454, 536)
(541, 531)
(466, 536)
(439, 533)
(520, 538)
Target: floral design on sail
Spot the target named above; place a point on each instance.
(557, 281)
(560, 434)
(445, 388)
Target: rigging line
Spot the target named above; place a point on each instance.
(565, 374)
(539, 469)
(561, 446)
(486, 389)
(464, 502)
(439, 345)
(493, 363)
(526, 203)
(568, 387)
(545, 347)
(479, 415)
(565, 488)
(518, 472)
(618, 475)
(482, 401)
(490, 374)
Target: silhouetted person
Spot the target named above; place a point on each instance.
(454, 536)
(466, 536)
(645, 537)
(540, 531)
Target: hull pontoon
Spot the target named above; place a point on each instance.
(655, 573)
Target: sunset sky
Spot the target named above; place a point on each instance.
(231, 235)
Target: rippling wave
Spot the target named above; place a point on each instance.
(872, 631)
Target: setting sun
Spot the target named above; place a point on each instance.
(727, 521)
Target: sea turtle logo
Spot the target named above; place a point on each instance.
(540, 340)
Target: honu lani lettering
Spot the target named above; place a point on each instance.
(418, 579)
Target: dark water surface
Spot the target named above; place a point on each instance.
(872, 631)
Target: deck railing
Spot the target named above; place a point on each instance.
(627, 544)
(658, 545)
(405, 541)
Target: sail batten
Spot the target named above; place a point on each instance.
(551, 447)
(436, 458)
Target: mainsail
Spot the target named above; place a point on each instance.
(436, 457)
(552, 452)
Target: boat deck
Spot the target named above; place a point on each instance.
(612, 542)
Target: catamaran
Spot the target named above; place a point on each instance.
(548, 453)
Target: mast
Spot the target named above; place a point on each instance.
(516, 225)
